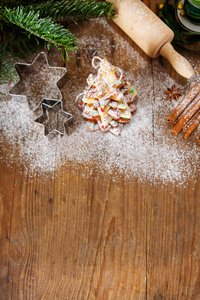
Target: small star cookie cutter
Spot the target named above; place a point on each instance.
(53, 118)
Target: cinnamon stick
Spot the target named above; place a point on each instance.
(187, 125)
(187, 116)
(194, 125)
(193, 92)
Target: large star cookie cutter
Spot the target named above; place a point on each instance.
(53, 118)
(38, 82)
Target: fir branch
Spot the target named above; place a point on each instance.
(67, 9)
(43, 28)
(7, 69)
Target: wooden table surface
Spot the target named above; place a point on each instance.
(71, 234)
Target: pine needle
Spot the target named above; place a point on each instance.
(85, 9)
(43, 28)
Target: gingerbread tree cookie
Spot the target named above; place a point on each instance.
(108, 100)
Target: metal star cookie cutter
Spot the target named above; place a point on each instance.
(53, 117)
(37, 81)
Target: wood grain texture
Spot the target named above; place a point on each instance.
(173, 244)
(72, 234)
(70, 238)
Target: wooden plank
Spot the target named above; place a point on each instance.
(69, 237)
(6, 195)
(173, 212)
(173, 220)
(173, 243)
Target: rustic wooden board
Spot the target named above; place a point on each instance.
(73, 234)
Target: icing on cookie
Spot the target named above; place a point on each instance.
(114, 113)
(122, 105)
(102, 127)
(116, 130)
(113, 104)
(93, 126)
(113, 123)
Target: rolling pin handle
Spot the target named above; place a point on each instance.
(180, 64)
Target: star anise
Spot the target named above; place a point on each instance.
(173, 93)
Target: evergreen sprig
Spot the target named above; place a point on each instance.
(43, 28)
(85, 9)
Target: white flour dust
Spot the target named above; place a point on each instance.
(146, 148)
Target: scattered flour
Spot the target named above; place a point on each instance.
(146, 148)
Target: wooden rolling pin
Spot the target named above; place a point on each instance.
(151, 34)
